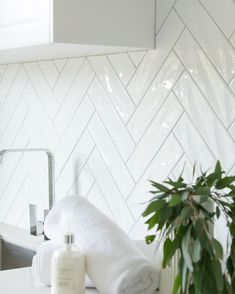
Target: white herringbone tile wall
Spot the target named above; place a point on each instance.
(115, 121)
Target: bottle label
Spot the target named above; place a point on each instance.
(65, 277)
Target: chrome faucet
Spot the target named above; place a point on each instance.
(36, 227)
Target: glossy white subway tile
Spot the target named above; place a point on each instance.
(111, 120)
(154, 137)
(223, 13)
(7, 80)
(110, 191)
(111, 156)
(60, 63)
(14, 125)
(155, 96)
(137, 57)
(67, 77)
(75, 164)
(232, 85)
(77, 126)
(13, 98)
(96, 198)
(74, 97)
(123, 66)
(193, 144)
(83, 183)
(113, 86)
(206, 121)
(44, 123)
(209, 36)
(48, 99)
(232, 130)
(154, 58)
(50, 71)
(207, 78)
(159, 169)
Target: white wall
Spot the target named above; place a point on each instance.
(116, 121)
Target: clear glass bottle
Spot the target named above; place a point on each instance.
(68, 269)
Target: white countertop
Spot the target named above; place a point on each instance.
(21, 281)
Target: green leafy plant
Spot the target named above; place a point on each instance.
(184, 214)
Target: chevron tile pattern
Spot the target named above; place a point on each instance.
(116, 121)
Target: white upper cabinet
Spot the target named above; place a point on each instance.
(44, 29)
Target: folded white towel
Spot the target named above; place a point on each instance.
(114, 264)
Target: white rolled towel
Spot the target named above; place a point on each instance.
(114, 263)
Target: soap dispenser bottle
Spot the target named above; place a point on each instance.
(68, 269)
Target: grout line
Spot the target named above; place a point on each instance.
(200, 46)
(60, 104)
(75, 145)
(199, 88)
(108, 95)
(115, 148)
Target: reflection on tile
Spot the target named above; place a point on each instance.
(123, 66)
(206, 121)
(154, 136)
(212, 40)
(223, 13)
(206, 77)
(117, 93)
(155, 96)
(159, 170)
(154, 58)
(193, 144)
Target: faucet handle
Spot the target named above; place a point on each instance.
(36, 227)
(33, 219)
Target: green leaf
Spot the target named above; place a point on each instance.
(197, 278)
(175, 200)
(149, 239)
(218, 170)
(160, 187)
(152, 221)
(218, 249)
(154, 206)
(177, 284)
(166, 251)
(202, 191)
(196, 251)
(215, 269)
(225, 182)
(185, 250)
